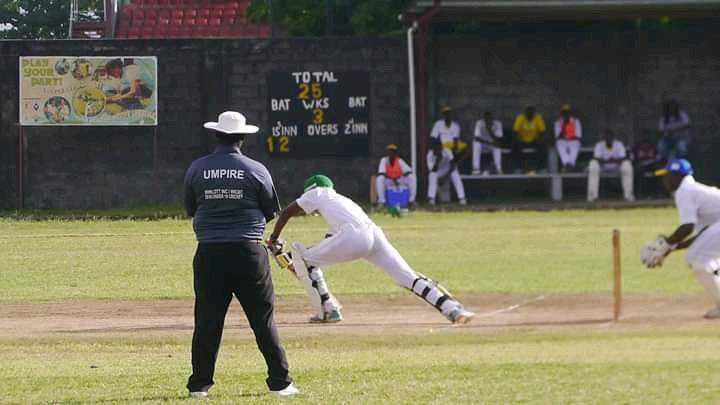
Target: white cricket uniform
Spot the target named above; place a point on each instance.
(568, 149)
(699, 204)
(443, 170)
(408, 180)
(447, 135)
(356, 236)
(493, 134)
(602, 152)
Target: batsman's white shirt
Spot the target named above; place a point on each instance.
(697, 203)
(336, 209)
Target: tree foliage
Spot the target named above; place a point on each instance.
(39, 19)
(329, 17)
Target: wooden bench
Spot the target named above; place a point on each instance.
(556, 178)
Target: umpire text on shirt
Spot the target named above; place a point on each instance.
(230, 198)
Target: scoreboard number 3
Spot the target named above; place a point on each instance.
(283, 143)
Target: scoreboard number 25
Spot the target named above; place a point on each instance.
(277, 144)
(307, 89)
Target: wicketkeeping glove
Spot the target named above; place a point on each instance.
(653, 253)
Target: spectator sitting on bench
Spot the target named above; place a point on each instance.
(448, 132)
(529, 127)
(488, 133)
(610, 157)
(394, 171)
(441, 163)
(674, 125)
(568, 131)
(646, 160)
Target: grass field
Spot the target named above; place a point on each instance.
(101, 312)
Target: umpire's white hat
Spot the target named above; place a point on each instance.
(232, 122)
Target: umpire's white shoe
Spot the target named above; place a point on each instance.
(713, 313)
(460, 316)
(327, 317)
(198, 394)
(287, 391)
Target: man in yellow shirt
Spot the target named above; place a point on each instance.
(529, 127)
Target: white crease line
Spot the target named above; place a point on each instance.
(510, 308)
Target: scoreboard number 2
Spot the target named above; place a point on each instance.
(283, 143)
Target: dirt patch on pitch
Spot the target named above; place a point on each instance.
(363, 315)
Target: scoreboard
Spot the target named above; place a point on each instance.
(323, 114)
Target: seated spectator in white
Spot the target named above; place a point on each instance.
(568, 132)
(488, 134)
(645, 160)
(610, 157)
(441, 164)
(675, 128)
(393, 171)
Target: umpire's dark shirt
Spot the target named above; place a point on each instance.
(230, 197)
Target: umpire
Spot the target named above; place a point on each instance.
(231, 198)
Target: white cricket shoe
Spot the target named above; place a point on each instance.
(460, 316)
(713, 313)
(287, 391)
(327, 317)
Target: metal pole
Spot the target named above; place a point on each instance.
(20, 169)
(156, 165)
(413, 100)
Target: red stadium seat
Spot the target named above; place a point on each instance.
(189, 21)
(204, 12)
(134, 33)
(178, 22)
(232, 12)
(191, 12)
(217, 12)
(228, 20)
(201, 21)
(215, 21)
(127, 12)
(177, 13)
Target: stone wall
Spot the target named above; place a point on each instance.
(83, 167)
(612, 77)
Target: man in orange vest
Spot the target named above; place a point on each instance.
(568, 132)
(394, 172)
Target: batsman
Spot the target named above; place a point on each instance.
(352, 235)
(698, 207)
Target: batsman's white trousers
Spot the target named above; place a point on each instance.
(703, 257)
(434, 178)
(367, 242)
(477, 156)
(626, 174)
(409, 181)
(568, 150)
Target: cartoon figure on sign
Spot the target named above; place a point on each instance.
(56, 109)
(81, 69)
(62, 66)
(124, 86)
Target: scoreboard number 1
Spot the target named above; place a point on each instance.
(282, 143)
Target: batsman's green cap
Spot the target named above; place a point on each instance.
(317, 180)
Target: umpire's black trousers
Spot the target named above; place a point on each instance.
(221, 270)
